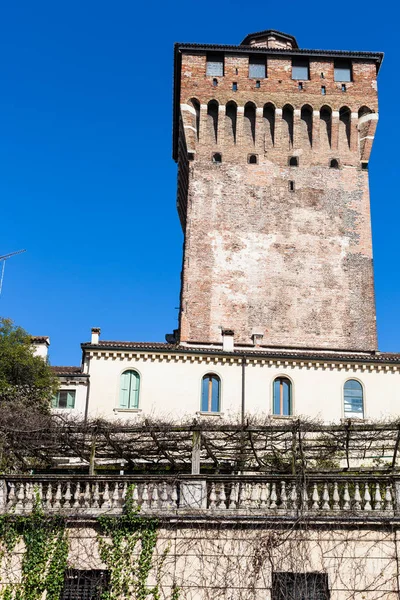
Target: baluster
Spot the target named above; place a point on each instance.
(11, 496)
(222, 497)
(254, 495)
(325, 498)
(213, 497)
(57, 499)
(293, 497)
(20, 498)
(28, 496)
(336, 497)
(284, 504)
(346, 497)
(77, 496)
(145, 497)
(106, 497)
(135, 496)
(233, 496)
(367, 498)
(315, 497)
(86, 496)
(378, 497)
(263, 495)
(357, 498)
(49, 497)
(96, 496)
(40, 493)
(154, 496)
(174, 495)
(124, 492)
(388, 498)
(242, 496)
(68, 496)
(273, 496)
(304, 497)
(115, 496)
(164, 497)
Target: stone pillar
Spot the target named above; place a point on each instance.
(354, 132)
(259, 145)
(315, 130)
(203, 124)
(193, 494)
(335, 131)
(278, 128)
(297, 142)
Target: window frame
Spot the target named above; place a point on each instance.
(306, 64)
(351, 415)
(57, 398)
(139, 391)
(278, 577)
(260, 60)
(342, 65)
(212, 72)
(211, 374)
(291, 400)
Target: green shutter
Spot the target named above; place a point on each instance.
(54, 401)
(124, 390)
(71, 399)
(134, 391)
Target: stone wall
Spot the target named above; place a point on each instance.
(284, 251)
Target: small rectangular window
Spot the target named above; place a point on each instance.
(300, 68)
(215, 64)
(342, 70)
(64, 399)
(85, 585)
(307, 586)
(257, 67)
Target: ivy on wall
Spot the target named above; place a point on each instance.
(126, 543)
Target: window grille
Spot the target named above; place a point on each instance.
(64, 399)
(300, 68)
(215, 65)
(342, 71)
(257, 67)
(300, 586)
(85, 585)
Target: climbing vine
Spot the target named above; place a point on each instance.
(126, 543)
(45, 558)
(127, 546)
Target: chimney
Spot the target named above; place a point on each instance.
(257, 339)
(95, 335)
(40, 345)
(227, 340)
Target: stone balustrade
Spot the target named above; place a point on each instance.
(257, 494)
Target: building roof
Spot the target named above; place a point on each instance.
(261, 352)
(40, 339)
(69, 371)
(184, 47)
(267, 32)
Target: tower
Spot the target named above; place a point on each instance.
(272, 144)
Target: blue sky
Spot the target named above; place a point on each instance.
(87, 182)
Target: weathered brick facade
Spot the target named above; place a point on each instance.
(272, 249)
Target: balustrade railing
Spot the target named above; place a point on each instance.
(259, 494)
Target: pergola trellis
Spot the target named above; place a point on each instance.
(273, 446)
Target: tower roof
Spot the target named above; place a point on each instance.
(270, 38)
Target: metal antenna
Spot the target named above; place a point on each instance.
(3, 260)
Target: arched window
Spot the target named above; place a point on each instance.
(196, 105)
(293, 161)
(344, 126)
(364, 110)
(211, 393)
(212, 117)
(306, 123)
(334, 164)
(353, 399)
(282, 397)
(325, 115)
(129, 389)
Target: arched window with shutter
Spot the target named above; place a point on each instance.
(353, 399)
(282, 397)
(129, 389)
(211, 393)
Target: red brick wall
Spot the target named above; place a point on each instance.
(293, 265)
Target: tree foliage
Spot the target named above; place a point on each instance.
(25, 379)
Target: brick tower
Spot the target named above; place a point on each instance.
(272, 144)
